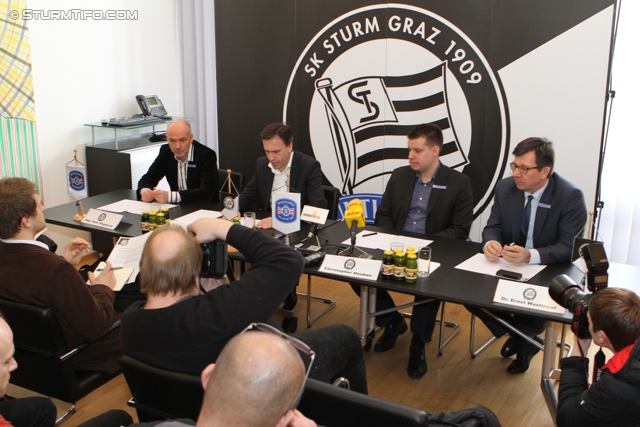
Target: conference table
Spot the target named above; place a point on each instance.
(446, 283)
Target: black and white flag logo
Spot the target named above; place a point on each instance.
(372, 74)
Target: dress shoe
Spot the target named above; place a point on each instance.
(290, 301)
(417, 366)
(391, 333)
(523, 358)
(510, 346)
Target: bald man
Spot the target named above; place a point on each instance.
(254, 383)
(25, 412)
(179, 330)
(191, 169)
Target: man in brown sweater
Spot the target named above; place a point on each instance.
(30, 273)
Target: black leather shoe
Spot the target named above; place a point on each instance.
(391, 333)
(417, 366)
(510, 347)
(523, 358)
(290, 301)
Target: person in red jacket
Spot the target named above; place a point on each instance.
(614, 399)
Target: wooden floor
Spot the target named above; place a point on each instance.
(453, 380)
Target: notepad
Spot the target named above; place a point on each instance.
(122, 275)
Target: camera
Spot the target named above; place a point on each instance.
(214, 259)
(568, 294)
(597, 266)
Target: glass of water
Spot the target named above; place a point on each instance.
(424, 262)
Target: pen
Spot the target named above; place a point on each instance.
(370, 234)
(112, 268)
(512, 243)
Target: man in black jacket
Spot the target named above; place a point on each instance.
(428, 198)
(614, 399)
(191, 169)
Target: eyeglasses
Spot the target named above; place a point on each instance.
(523, 169)
(303, 349)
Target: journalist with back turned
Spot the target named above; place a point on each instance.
(614, 399)
(536, 215)
(180, 330)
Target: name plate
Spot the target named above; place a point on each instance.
(314, 215)
(526, 296)
(367, 269)
(102, 219)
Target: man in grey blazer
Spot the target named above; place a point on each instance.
(534, 219)
(429, 198)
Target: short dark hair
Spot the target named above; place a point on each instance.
(174, 275)
(430, 131)
(16, 202)
(616, 312)
(545, 156)
(280, 130)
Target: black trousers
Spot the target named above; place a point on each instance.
(29, 412)
(527, 325)
(112, 418)
(423, 319)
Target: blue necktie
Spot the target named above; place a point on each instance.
(526, 218)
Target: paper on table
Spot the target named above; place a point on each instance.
(383, 241)
(202, 213)
(122, 275)
(127, 253)
(479, 264)
(132, 206)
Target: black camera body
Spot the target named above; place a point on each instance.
(214, 259)
(597, 266)
(568, 294)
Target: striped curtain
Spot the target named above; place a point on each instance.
(18, 142)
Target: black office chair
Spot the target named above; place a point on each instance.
(236, 177)
(44, 359)
(333, 406)
(332, 194)
(160, 394)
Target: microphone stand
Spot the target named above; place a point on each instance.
(351, 249)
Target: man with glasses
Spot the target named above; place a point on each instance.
(257, 381)
(534, 219)
(191, 169)
(180, 330)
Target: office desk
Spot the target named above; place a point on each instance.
(459, 286)
(63, 215)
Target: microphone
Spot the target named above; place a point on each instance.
(354, 218)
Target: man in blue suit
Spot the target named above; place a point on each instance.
(534, 219)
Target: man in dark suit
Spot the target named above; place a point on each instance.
(429, 198)
(190, 168)
(534, 219)
(271, 173)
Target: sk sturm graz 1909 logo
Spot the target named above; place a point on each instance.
(372, 74)
(285, 210)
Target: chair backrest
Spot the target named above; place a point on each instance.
(236, 177)
(370, 201)
(338, 407)
(332, 194)
(168, 394)
(39, 343)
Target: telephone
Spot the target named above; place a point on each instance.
(152, 106)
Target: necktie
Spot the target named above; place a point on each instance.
(524, 225)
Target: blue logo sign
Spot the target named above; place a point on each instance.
(76, 180)
(286, 210)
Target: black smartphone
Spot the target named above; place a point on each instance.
(509, 274)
